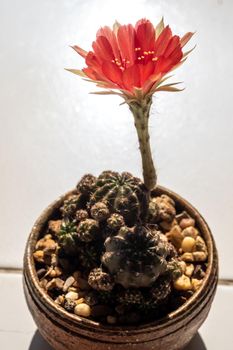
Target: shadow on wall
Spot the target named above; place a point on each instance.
(38, 343)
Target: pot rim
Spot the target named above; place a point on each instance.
(171, 318)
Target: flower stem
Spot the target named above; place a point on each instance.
(141, 111)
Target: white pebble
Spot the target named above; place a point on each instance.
(71, 296)
(188, 244)
(68, 283)
(82, 310)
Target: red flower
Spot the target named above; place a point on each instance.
(133, 60)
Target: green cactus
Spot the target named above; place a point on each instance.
(122, 194)
(89, 255)
(136, 256)
(67, 237)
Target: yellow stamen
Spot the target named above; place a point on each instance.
(155, 59)
(146, 52)
(139, 58)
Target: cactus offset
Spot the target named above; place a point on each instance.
(88, 230)
(161, 208)
(67, 237)
(81, 215)
(122, 193)
(101, 280)
(100, 211)
(135, 256)
(115, 222)
(89, 255)
(71, 205)
(86, 184)
(131, 296)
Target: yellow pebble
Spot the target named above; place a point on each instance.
(188, 244)
(196, 283)
(183, 283)
(80, 301)
(187, 257)
(82, 310)
(39, 256)
(200, 256)
(189, 270)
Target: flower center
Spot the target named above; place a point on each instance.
(141, 57)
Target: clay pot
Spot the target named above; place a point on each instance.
(65, 331)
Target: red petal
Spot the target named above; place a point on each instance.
(131, 77)
(113, 73)
(111, 37)
(126, 42)
(146, 71)
(163, 65)
(80, 51)
(173, 43)
(145, 35)
(162, 41)
(103, 49)
(94, 64)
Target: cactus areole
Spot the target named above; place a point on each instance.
(133, 62)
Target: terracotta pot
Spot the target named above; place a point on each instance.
(65, 331)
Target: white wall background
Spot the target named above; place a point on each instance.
(52, 131)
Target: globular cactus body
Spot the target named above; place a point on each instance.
(135, 256)
(121, 193)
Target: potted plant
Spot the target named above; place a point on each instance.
(121, 263)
